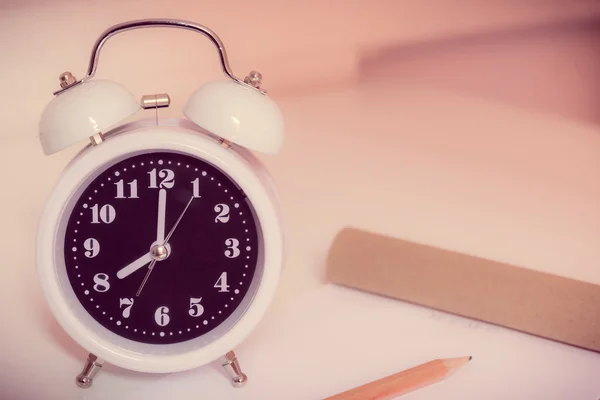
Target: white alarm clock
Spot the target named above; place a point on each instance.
(160, 247)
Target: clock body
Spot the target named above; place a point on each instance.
(159, 250)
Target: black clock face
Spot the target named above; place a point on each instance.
(161, 247)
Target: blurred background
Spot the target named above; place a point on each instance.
(465, 124)
(523, 52)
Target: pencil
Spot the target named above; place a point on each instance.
(405, 381)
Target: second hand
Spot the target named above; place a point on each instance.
(150, 268)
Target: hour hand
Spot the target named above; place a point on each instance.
(134, 266)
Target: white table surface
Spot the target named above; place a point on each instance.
(433, 167)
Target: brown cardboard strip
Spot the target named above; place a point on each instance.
(550, 306)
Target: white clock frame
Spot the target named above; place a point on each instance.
(178, 136)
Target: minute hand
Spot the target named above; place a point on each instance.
(162, 205)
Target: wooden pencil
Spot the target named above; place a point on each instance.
(405, 381)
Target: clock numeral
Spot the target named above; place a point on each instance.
(223, 213)
(196, 187)
(133, 190)
(196, 309)
(101, 283)
(161, 316)
(232, 248)
(106, 214)
(92, 246)
(222, 283)
(128, 303)
(167, 175)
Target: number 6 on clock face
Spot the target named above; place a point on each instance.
(161, 316)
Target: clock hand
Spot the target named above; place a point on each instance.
(162, 204)
(177, 222)
(134, 266)
(150, 268)
(146, 258)
(153, 263)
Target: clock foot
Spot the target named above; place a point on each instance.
(90, 369)
(232, 367)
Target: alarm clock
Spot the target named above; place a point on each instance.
(161, 244)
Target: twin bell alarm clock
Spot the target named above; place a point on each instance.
(161, 244)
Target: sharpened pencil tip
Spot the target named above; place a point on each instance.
(470, 358)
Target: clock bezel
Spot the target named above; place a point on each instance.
(241, 166)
